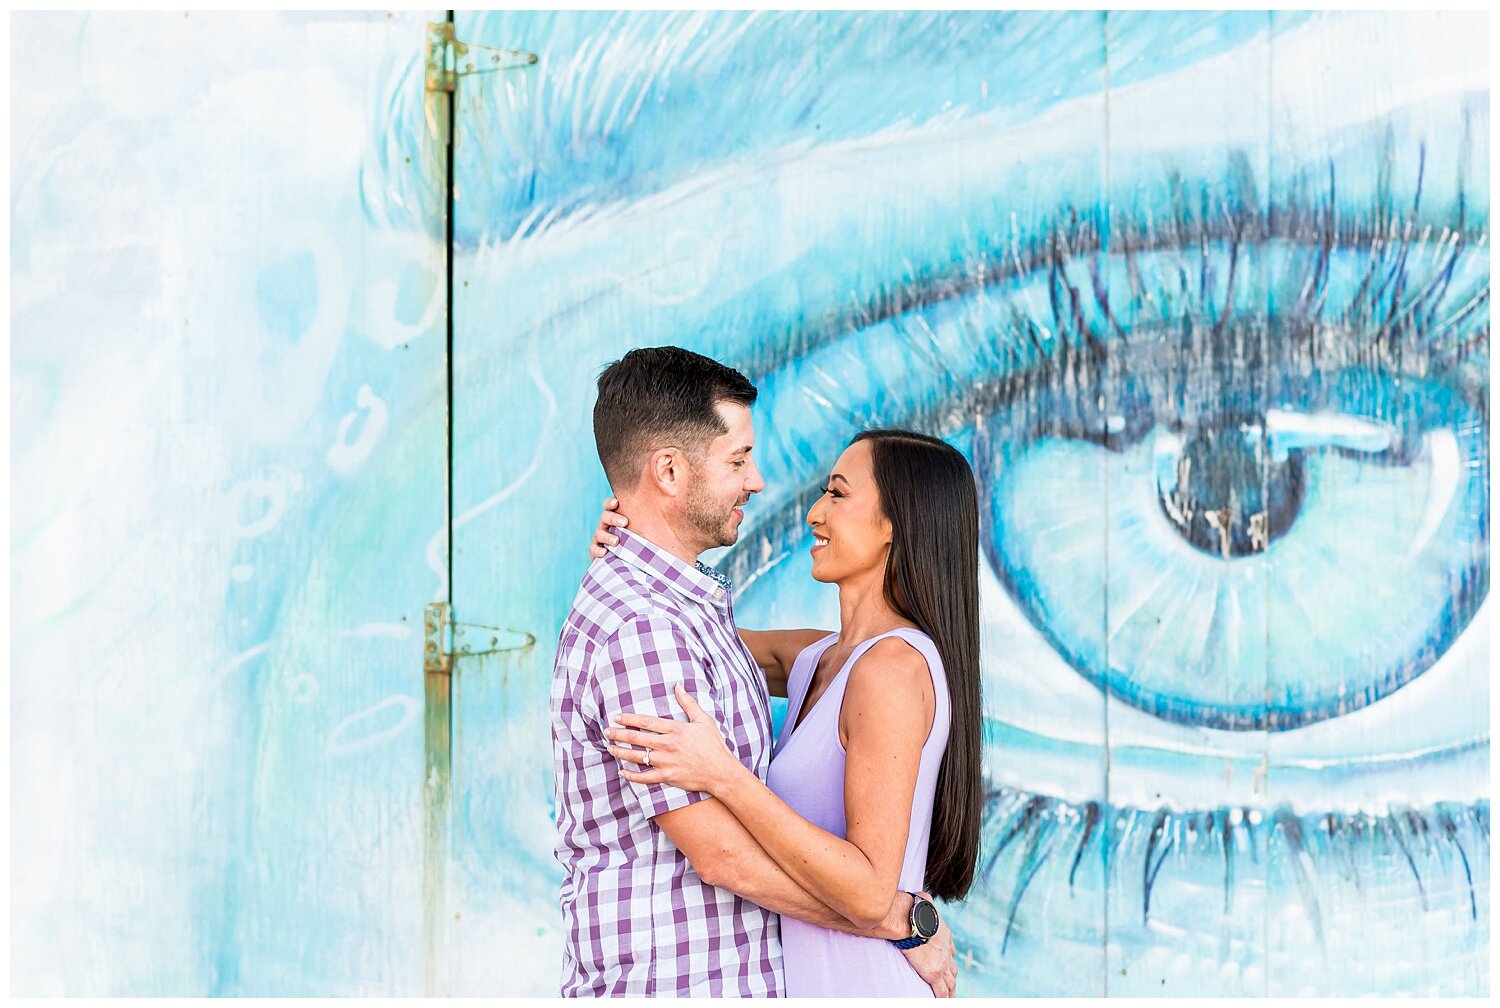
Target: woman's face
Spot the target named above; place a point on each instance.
(851, 536)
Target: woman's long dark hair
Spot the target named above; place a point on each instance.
(932, 579)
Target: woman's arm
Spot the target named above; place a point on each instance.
(886, 715)
(776, 650)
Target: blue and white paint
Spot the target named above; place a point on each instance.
(228, 454)
(1204, 297)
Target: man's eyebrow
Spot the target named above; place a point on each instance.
(744, 451)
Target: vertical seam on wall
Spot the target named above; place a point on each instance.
(449, 205)
(1108, 810)
(1268, 202)
(448, 209)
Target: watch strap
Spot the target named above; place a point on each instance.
(915, 939)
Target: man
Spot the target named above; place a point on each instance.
(665, 892)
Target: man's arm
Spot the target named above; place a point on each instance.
(724, 854)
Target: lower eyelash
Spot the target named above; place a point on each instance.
(1447, 836)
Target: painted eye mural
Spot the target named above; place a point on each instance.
(1215, 339)
(1204, 298)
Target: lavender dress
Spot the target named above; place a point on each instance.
(807, 772)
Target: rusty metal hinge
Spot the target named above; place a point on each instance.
(437, 647)
(448, 59)
(447, 639)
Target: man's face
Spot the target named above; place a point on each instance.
(724, 477)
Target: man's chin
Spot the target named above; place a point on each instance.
(729, 532)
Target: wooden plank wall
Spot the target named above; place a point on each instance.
(1203, 297)
(1168, 280)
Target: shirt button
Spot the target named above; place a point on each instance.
(718, 593)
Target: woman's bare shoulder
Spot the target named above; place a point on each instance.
(890, 690)
(892, 666)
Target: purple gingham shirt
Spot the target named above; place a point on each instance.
(638, 918)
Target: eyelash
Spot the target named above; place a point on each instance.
(831, 490)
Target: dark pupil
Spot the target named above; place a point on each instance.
(1228, 498)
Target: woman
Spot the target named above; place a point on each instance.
(874, 784)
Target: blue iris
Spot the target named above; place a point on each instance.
(1349, 522)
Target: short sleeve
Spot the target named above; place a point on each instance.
(635, 674)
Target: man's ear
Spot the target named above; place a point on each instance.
(665, 470)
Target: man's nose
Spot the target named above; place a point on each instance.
(753, 481)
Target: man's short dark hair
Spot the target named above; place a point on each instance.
(658, 396)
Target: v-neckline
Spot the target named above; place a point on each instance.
(803, 711)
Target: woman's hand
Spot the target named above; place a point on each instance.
(687, 754)
(609, 518)
(935, 962)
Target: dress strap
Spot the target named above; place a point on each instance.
(841, 680)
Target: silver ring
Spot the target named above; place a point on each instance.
(646, 759)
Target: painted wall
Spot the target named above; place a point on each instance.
(1203, 297)
(228, 461)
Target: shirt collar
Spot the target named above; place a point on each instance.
(699, 582)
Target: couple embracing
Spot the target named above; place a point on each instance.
(700, 858)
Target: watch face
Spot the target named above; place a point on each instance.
(925, 916)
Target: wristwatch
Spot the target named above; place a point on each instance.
(924, 923)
